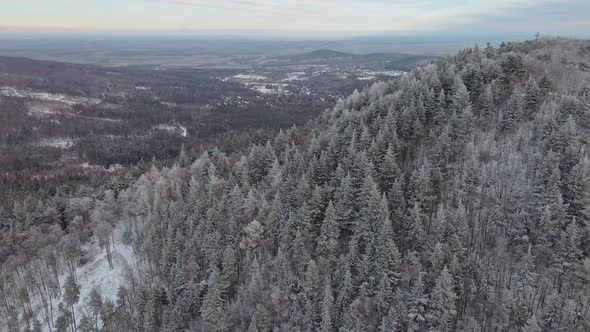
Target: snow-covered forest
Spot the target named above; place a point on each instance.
(455, 198)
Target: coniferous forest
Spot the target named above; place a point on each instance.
(455, 198)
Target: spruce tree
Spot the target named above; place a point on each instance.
(443, 297)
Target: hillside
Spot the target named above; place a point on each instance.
(453, 199)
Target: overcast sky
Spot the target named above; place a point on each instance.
(563, 17)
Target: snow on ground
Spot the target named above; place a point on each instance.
(392, 73)
(57, 142)
(271, 88)
(249, 77)
(366, 75)
(94, 118)
(41, 109)
(176, 128)
(263, 89)
(165, 103)
(366, 78)
(58, 97)
(97, 274)
(295, 76)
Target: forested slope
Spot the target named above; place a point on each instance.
(453, 199)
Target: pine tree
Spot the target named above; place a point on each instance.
(327, 307)
(533, 97)
(390, 322)
(86, 325)
(229, 270)
(183, 158)
(417, 308)
(389, 170)
(387, 256)
(95, 305)
(487, 106)
(461, 101)
(63, 321)
(443, 299)
(329, 233)
(524, 290)
(213, 308)
(344, 204)
(532, 325)
(71, 297)
(545, 85)
(345, 292)
(512, 113)
(416, 236)
(260, 321)
(551, 318)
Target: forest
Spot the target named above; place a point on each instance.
(456, 198)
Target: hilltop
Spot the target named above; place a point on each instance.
(452, 199)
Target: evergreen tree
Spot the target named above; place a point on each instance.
(329, 234)
(417, 308)
(260, 320)
(213, 308)
(327, 307)
(71, 297)
(533, 97)
(443, 297)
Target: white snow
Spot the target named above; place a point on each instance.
(271, 88)
(249, 77)
(295, 76)
(165, 103)
(366, 78)
(97, 274)
(175, 128)
(56, 142)
(68, 100)
(366, 74)
(40, 109)
(263, 89)
(184, 131)
(392, 73)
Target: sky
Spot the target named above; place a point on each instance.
(338, 17)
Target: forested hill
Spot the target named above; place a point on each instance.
(453, 199)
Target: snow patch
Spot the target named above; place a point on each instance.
(57, 97)
(176, 128)
(60, 143)
(271, 88)
(97, 274)
(295, 76)
(249, 77)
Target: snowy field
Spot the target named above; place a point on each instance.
(56, 97)
(177, 128)
(249, 77)
(56, 142)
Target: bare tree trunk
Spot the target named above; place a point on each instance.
(74, 328)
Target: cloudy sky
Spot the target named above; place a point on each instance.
(565, 17)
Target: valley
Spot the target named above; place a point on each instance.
(66, 123)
